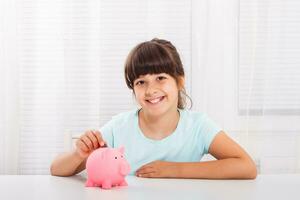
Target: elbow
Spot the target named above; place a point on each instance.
(52, 170)
(57, 171)
(251, 172)
(254, 173)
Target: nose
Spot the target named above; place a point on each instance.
(125, 168)
(151, 89)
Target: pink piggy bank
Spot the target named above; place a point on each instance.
(107, 167)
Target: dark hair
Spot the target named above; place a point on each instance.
(154, 57)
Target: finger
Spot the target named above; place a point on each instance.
(87, 142)
(82, 146)
(84, 150)
(100, 139)
(145, 169)
(148, 175)
(93, 139)
(146, 165)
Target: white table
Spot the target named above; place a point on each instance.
(43, 187)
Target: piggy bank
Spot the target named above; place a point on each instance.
(106, 168)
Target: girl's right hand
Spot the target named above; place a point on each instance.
(88, 142)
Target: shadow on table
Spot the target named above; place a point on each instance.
(79, 177)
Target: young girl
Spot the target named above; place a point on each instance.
(161, 138)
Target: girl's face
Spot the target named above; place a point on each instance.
(156, 93)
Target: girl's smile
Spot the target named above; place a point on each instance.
(155, 101)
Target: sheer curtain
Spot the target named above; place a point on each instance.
(62, 69)
(245, 71)
(9, 89)
(62, 62)
(269, 81)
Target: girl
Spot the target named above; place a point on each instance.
(161, 138)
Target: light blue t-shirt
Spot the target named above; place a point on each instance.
(188, 143)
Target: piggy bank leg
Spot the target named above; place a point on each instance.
(89, 183)
(106, 185)
(123, 183)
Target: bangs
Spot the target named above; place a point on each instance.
(149, 58)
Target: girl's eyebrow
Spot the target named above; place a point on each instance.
(141, 76)
(138, 79)
(156, 75)
(161, 74)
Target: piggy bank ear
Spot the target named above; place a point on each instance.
(104, 153)
(122, 149)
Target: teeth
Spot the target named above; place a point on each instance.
(155, 100)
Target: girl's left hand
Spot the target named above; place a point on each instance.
(157, 169)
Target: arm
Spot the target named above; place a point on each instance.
(71, 163)
(232, 163)
(67, 164)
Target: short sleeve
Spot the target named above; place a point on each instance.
(107, 133)
(209, 129)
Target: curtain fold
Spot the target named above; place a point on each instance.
(268, 81)
(68, 72)
(245, 75)
(9, 89)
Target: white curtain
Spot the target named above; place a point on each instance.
(9, 89)
(61, 70)
(245, 71)
(269, 81)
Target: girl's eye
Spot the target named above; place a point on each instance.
(160, 78)
(139, 82)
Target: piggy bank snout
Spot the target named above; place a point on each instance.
(124, 168)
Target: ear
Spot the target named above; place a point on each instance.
(104, 152)
(122, 149)
(181, 81)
